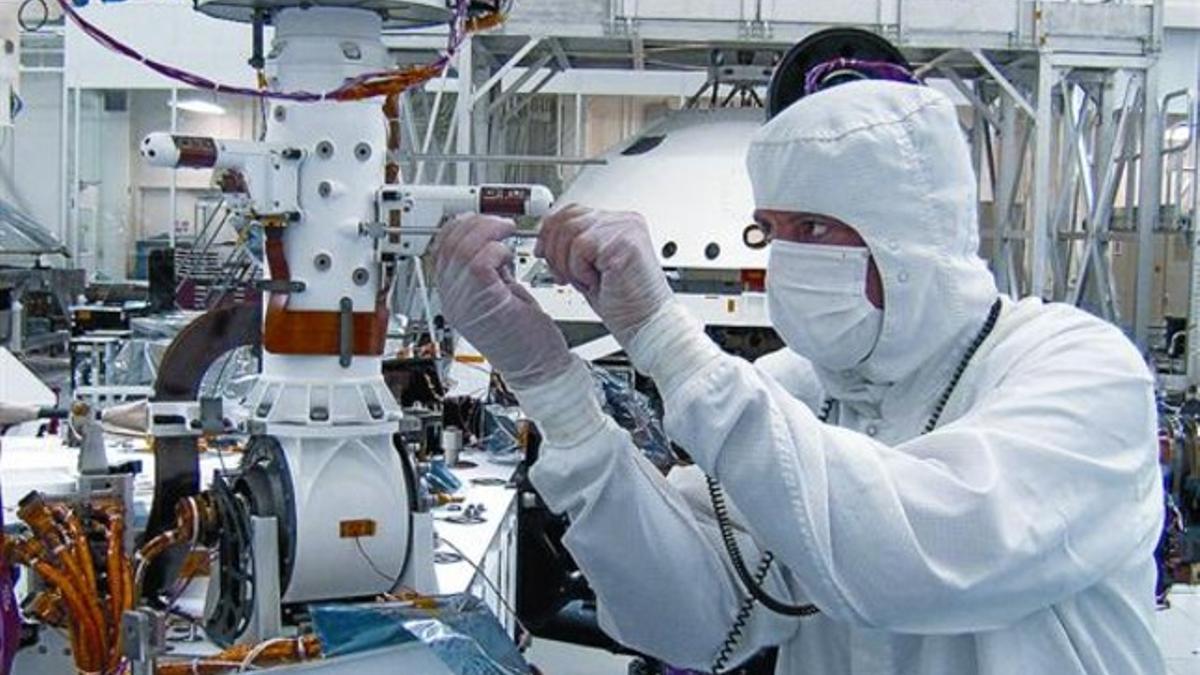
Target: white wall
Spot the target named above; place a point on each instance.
(30, 154)
(1178, 62)
(149, 111)
(104, 151)
(169, 31)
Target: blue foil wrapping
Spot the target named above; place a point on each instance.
(460, 630)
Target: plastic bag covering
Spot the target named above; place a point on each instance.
(161, 326)
(19, 232)
(500, 437)
(136, 362)
(631, 410)
(459, 629)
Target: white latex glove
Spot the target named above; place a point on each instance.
(607, 256)
(497, 315)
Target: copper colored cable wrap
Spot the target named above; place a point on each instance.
(304, 648)
(391, 113)
(120, 598)
(83, 552)
(47, 607)
(186, 528)
(87, 636)
(59, 552)
(287, 331)
(71, 579)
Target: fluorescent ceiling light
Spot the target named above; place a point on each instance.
(200, 106)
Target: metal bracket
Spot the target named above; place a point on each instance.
(757, 30)
(212, 415)
(267, 621)
(279, 286)
(376, 230)
(145, 637)
(174, 418)
(345, 332)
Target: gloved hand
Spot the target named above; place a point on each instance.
(497, 315)
(607, 256)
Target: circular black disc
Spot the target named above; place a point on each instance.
(787, 84)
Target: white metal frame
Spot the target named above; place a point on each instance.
(1042, 78)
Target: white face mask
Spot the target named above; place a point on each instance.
(817, 302)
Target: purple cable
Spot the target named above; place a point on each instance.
(10, 620)
(818, 77)
(456, 35)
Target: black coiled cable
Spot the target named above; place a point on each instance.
(743, 617)
(753, 583)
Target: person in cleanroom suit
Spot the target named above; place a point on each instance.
(1015, 537)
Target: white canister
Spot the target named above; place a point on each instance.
(452, 443)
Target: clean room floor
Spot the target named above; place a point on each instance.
(1178, 633)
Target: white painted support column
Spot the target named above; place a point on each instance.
(64, 222)
(173, 190)
(1149, 190)
(409, 137)
(463, 106)
(1040, 241)
(1007, 167)
(579, 125)
(431, 124)
(73, 189)
(505, 69)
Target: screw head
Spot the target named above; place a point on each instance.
(362, 152)
(325, 188)
(325, 149)
(322, 262)
(360, 276)
(280, 113)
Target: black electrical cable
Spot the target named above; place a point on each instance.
(753, 583)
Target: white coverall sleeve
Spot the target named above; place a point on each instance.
(795, 374)
(658, 568)
(1047, 485)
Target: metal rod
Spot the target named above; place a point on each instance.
(173, 193)
(430, 231)
(75, 174)
(509, 159)
(1004, 82)
(410, 126)
(423, 290)
(463, 109)
(431, 125)
(1040, 205)
(936, 62)
(550, 75)
(578, 124)
(520, 82)
(504, 69)
(1149, 196)
(1101, 212)
(969, 94)
(64, 213)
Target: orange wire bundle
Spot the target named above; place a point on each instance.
(269, 653)
(59, 553)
